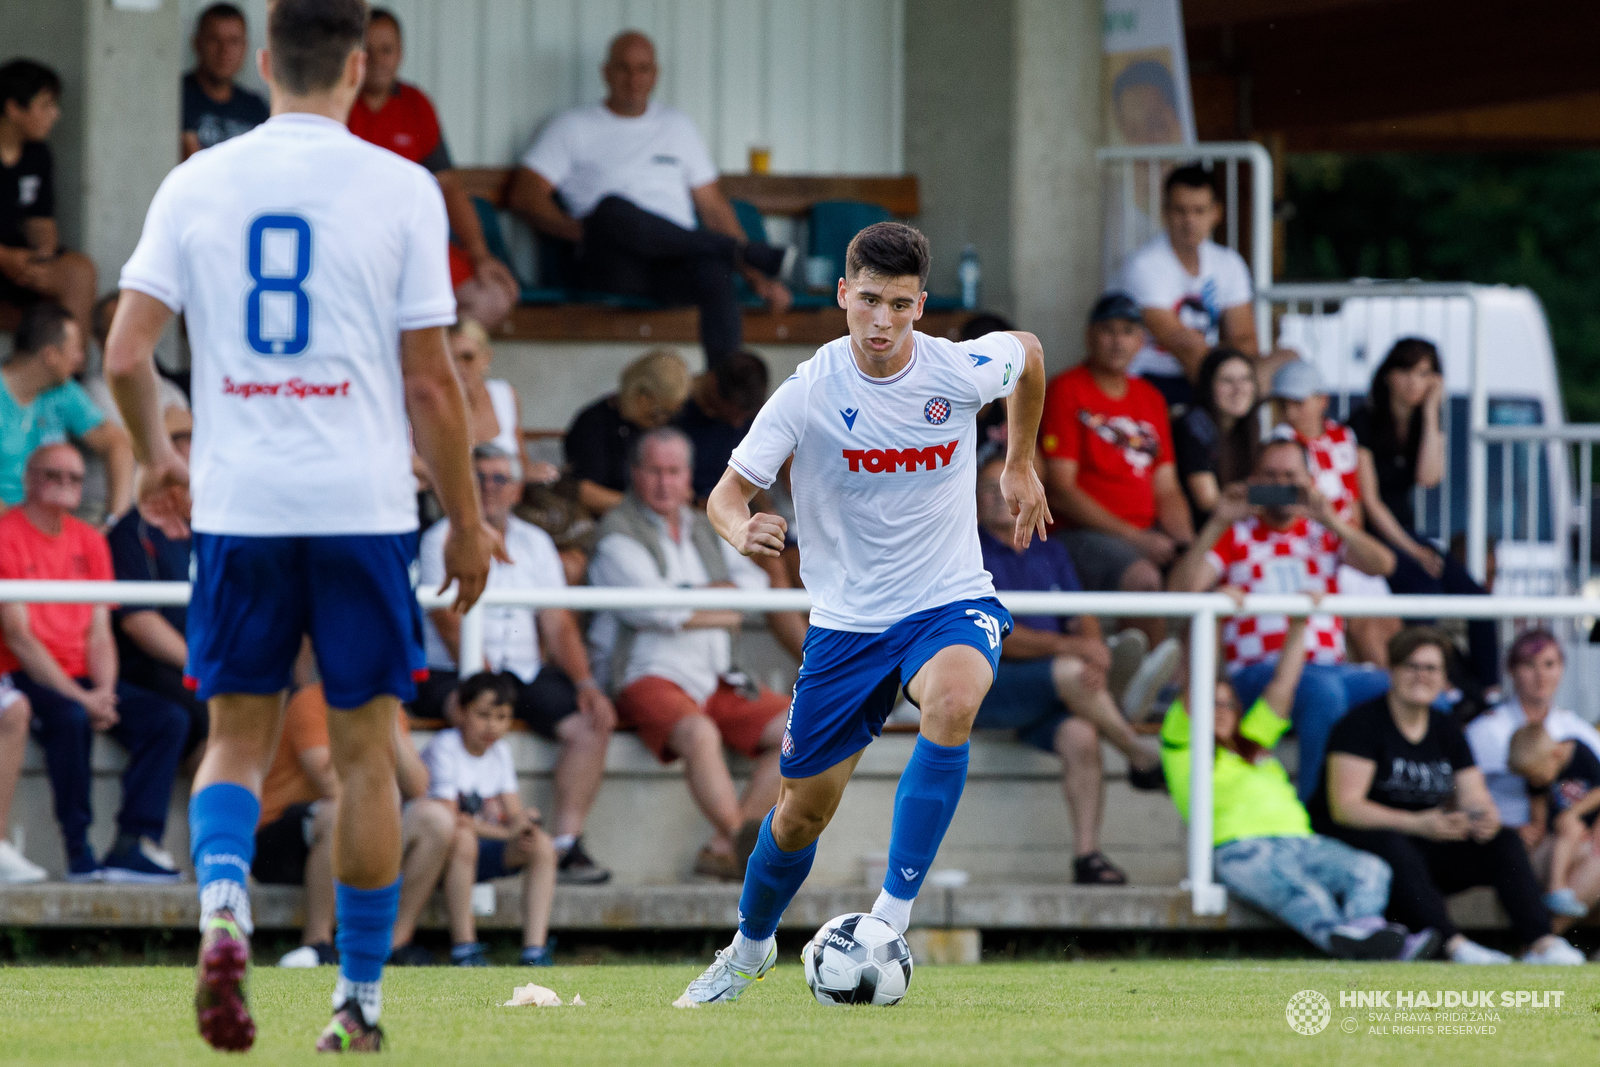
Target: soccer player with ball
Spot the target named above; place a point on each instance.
(881, 425)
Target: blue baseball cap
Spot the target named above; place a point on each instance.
(1115, 306)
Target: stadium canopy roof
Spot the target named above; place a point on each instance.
(1400, 75)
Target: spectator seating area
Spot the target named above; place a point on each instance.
(832, 209)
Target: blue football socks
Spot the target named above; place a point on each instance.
(930, 788)
(771, 880)
(366, 921)
(222, 844)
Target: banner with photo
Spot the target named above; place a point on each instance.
(1145, 89)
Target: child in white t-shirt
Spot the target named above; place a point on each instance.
(470, 768)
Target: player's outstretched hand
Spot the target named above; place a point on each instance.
(1024, 495)
(163, 494)
(467, 551)
(762, 535)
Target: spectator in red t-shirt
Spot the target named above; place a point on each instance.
(1331, 449)
(1110, 473)
(400, 117)
(1291, 548)
(64, 659)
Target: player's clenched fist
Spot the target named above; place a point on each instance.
(762, 535)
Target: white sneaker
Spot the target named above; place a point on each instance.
(1473, 953)
(1559, 951)
(1155, 672)
(304, 956)
(1128, 649)
(17, 869)
(721, 983)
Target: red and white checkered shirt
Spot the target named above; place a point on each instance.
(1302, 557)
(1334, 468)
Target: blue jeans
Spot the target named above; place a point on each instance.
(1312, 883)
(1325, 693)
(151, 728)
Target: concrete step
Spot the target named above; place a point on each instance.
(696, 907)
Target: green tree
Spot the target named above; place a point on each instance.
(1521, 219)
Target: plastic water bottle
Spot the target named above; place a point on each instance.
(970, 272)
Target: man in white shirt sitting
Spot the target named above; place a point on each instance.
(632, 175)
(559, 700)
(1194, 293)
(672, 669)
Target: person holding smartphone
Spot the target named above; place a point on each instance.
(1278, 534)
(1401, 783)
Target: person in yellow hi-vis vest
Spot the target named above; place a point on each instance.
(1265, 851)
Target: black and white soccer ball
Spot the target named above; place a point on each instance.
(858, 959)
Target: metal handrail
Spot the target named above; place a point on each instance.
(1202, 609)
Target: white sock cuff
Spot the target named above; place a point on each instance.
(369, 995)
(226, 894)
(893, 910)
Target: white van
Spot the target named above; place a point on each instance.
(1350, 339)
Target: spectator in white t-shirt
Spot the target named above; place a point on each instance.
(672, 669)
(1195, 294)
(631, 176)
(470, 769)
(560, 699)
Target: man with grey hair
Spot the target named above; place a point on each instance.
(560, 699)
(630, 182)
(672, 668)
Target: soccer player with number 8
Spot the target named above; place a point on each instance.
(311, 268)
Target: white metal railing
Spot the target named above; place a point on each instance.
(1125, 168)
(1202, 609)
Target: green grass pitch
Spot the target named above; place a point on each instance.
(1124, 1013)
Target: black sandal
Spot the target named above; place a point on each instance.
(1095, 869)
(1153, 780)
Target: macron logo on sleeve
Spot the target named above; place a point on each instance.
(978, 361)
(889, 460)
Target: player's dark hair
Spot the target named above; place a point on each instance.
(485, 682)
(43, 324)
(742, 381)
(23, 79)
(1190, 176)
(889, 250)
(309, 41)
(1404, 644)
(220, 11)
(383, 14)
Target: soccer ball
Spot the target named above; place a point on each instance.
(857, 959)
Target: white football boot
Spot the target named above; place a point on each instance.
(722, 982)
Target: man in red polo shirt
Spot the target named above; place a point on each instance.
(400, 117)
(64, 659)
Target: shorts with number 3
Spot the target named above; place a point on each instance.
(849, 682)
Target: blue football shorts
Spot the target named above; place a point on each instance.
(354, 594)
(849, 682)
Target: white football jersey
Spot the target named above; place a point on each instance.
(884, 476)
(298, 253)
